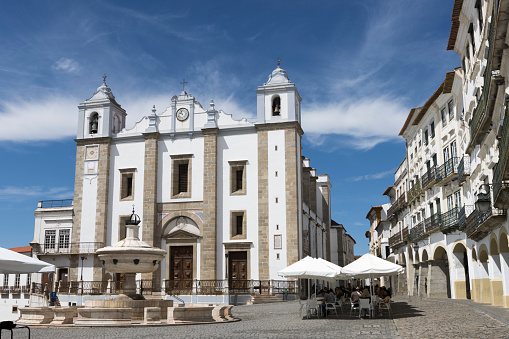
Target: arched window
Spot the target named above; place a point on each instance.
(276, 106)
(94, 123)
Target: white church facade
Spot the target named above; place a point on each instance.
(229, 200)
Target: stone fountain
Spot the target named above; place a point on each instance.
(129, 257)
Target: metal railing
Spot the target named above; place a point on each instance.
(464, 168)
(447, 169)
(285, 286)
(417, 231)
(431, 223)
(463, 214)
(480, 111)
(449, 220)
(55, 203)
(211, 287)
(429, 177)
(501, 167)
(4, 289)
(69, 248)
(415, 191)
(398, 205)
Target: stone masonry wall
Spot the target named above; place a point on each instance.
(151, 233)
(208, 242)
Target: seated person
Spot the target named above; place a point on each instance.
(365, 293)
(327, 299)
(356, 295)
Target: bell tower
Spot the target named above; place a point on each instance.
(101, 115)
(278, 99)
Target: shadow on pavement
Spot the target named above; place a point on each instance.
(398, 310)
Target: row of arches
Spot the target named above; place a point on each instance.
(463, 269)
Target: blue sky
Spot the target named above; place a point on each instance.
(360, 66)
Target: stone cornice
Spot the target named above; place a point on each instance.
(92, 141)
(275, 126)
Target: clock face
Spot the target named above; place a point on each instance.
(182, 114)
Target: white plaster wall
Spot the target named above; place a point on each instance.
(237, 147)
(277, 189)
(181, 145)
(125, 155)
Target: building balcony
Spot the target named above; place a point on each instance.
(15, 289)
(428, 178)
(397, 206)
(399, 238)
(4, 289)
(414, 192)
(416, 232)
(478, 225)
(449, 221)
(463, 214)
(69, 248)
(464, 168)
(447, 172)
(501, 172)
(480, 124)
(432, 223)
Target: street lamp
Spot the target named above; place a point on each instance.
(82, 259)
(483, 203)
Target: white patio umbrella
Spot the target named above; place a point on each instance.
(312, 268)
(13, 263)
(370, 266)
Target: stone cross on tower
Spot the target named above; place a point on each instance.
(183, 83)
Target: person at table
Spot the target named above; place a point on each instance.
(327, 299)
(355, 296)
(365, 293)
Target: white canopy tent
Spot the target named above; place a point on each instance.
(370, 266)
(312, 268)
(14, 263)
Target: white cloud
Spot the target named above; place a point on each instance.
(373, 176)
(367, 122)
(67, 65)
(51, 118)
(13, 193)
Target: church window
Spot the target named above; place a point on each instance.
(94, 123)
(238, 177)
(63, 238)
(238, 224)
(49, 239)
(275, 148)
(276, 174)
(181, 176)
(127, 184)
(276, 106)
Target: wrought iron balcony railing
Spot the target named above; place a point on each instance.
(464, 168)
(415, 191)
(480, 112)
(449, 221)
(480, 224)
(67, 248)
(500, 174)
(463, 214)
(417, 231)
(428, 178)
(398, 205)
(446, 170)
(431, 223)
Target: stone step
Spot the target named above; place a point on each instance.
(265, 299)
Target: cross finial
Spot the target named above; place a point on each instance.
(183, 83)
(278, 61)
(104, 78)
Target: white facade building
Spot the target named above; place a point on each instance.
(229, 200)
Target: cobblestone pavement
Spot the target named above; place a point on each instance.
(444, 318)
(412, 318)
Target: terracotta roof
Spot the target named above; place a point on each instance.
(374, 208)
(455, 25)
(23, 249)
(407, 121)
(388, 190)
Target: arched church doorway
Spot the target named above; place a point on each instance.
(461, 272)
(180, 238)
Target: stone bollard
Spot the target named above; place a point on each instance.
(152, 315)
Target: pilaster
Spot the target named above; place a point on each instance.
(292, 165)
(151, 234)
(208, 267)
